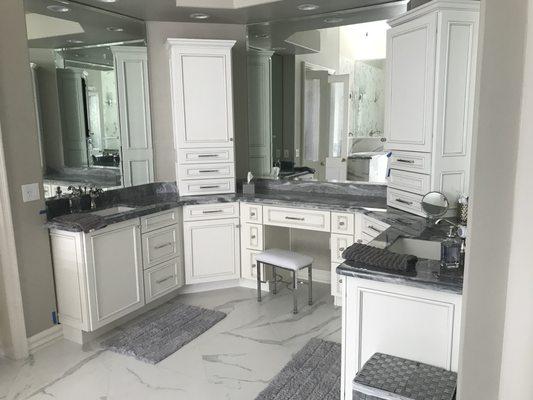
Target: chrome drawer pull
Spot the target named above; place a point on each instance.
(207, 171)
(159, 281)
(253, 236)
(374, 229)
(208, 155)
(210, 187)
(409, 203)
(212, 211)
(160, 246)
(295, 218)
(341, 223)
(341, 248)
(405, 161)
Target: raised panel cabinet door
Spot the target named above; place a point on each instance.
(202, 98)
(134, 114)
(114, 272)
(211, 250)
(410, 82)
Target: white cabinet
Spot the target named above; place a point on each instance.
(211, 247)
(202, 110)
(417, 324)
(429, 100)
(410, 84)
(99, 275)
(131, 64)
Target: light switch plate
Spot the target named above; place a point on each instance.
(30, 192)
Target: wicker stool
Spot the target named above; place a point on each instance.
(385, 377)
(290, 261)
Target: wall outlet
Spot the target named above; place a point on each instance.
(286, 154)
(297, 153)
(30, 192)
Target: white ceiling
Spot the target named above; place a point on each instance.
(227, 11)
(53, 30)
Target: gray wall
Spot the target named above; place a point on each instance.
(517, 357)
(159, 76)
(23, 166)
(500, 69)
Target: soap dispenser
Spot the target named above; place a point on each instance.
(450, 250)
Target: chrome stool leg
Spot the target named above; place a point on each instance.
(310, 282)
(294, 294)
(275, 290)
(258, 273)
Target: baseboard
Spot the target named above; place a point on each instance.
(204, 287)
(45, 338)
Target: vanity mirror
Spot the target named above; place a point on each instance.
(435, 204)
(90, 81)
(316, 95)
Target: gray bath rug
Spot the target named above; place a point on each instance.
(314, 373)
(158, 333)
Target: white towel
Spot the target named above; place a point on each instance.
(377, 169)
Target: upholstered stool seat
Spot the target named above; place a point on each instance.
(288, 260)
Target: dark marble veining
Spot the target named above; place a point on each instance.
(152, 198)
(101, 177)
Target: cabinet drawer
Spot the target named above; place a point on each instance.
(210, 211)
(160, 245)
(373, 227)
(339, 243)
(162, 278)
(409, 181)
(411, 161)
(252, 236)
(342, 223)
(160, 220)
(405, 201)
(205, 171)
(297, 218)
(336, 281)
(205, 155)
(366, 238)
(251, 213)
(249, 265)
(206, 186)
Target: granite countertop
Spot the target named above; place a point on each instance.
(428, 274)
(402, 224)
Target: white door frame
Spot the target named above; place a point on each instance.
(14, 341)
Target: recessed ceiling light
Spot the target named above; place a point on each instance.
(199, 16)
(114, 29)
(75, 41)
(262, 35)
(307, 7)
(333, 20)
(59, 9)
(278, 48)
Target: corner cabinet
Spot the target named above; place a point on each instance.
(429, 101)
(211, 242)
(202, 110)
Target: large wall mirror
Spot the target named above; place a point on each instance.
(91, 96)
(316, 96)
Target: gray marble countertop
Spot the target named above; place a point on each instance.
(402, 224)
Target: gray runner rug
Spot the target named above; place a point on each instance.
(158, 333)
(313, 374)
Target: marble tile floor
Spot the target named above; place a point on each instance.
(234, 360)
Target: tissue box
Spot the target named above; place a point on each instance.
(248, 188)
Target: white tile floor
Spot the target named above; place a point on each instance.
(233, 360)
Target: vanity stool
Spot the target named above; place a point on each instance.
(287, 260)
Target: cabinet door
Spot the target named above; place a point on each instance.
(202, 100)
(114, 272)
(211, 250)
(410, 84)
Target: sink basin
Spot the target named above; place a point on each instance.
(420, 248)
(113, 210)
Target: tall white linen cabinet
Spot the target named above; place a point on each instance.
(202, 111)
(429, 101)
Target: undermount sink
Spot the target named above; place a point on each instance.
(416, 247)
(113, 210)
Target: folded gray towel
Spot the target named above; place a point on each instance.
(85, 222)
(380, 258)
